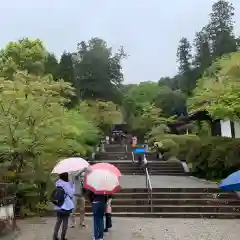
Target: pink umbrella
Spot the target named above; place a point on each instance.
(107, 166)
(69, 165)
(101, 181)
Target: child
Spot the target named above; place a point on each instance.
(108, 213)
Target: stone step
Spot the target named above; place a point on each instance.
(164, 167)
(114, 149)
(173, 208)
(130, 164)
(174, 190)
(152, 169)
(178, 195)
(175, 201)
(151, 172)
(216, 215)
(117, 155)
(157, 174)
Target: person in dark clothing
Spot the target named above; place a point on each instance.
(98, 209)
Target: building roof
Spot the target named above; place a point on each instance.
(183, 120)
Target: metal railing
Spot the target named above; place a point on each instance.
(148, 183)
(149, 187)
(133, 160)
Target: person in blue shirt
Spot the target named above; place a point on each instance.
(64, 211)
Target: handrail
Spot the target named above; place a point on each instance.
(133, 160)
(149, 187)
(148, 183)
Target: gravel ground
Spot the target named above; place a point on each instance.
(139, 229)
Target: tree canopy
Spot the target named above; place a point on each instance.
(217, 91)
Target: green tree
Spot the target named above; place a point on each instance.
(145, 92)
(99, 71)
(148, 118)
(173, 83)
(171, 102)
(66, 71)
(217, 91)
(102, 113)
(184, 59)
(25, 54)
(51, 65)
(221, 30)
(202, 58)
(36, 130)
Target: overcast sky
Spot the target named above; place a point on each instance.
(149, 30)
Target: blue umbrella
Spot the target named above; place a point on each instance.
(231, 183)
(140, 150)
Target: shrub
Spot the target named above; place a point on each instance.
(182, 145)
(167, 147)
(210, 157)
(216, 158)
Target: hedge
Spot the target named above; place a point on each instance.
(215, 158)
(209, 157)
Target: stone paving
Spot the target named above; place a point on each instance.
(136, 181)
(139, 229)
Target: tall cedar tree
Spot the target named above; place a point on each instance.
(221, 28)
(184, 58)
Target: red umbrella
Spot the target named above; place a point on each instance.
(107, 167)
(102, 181)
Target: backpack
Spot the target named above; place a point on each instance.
(58, 196)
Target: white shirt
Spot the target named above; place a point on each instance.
(109, 206)
(78, 180)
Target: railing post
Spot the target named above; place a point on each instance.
(133, 160)
(102, 147)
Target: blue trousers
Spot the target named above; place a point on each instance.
(98, 209)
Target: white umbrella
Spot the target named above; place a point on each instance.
(102, 181)
(69, 165)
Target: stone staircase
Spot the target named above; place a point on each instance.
(167, 202)
(175, 203)
(117, 155)
(154, 168)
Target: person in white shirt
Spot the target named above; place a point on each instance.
(107, 139)
(108, 213)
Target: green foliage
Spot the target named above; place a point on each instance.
(167, 147)
(183, 145)
(146, 119)
(102, 114)
(36, 130)
(28, 55)
(171, 102)
(51, 66)
(217, 91)
(98, 71)
(215, 157)
(221, 30)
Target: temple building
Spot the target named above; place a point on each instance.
(224, 128)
